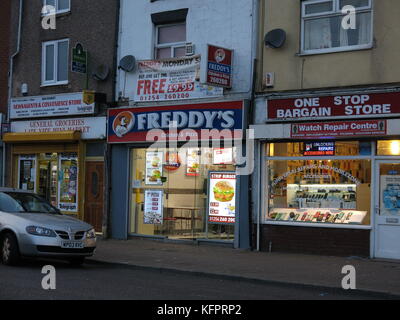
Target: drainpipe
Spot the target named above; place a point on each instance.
(10, 77)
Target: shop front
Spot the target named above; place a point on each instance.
(60, 159)
(174, 172)
(332, 186)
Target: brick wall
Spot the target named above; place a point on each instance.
(4, 52)
(308, 240)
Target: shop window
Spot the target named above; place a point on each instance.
(322, 29)
(55, 62)
(170, 41)
(319, 191)
(319, 148)
(388, 148)
(183, 193)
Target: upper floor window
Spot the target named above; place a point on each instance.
(61, 6)
(322, 28)
(170, 41)
(55, 62)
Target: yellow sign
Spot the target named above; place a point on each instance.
(88, 97)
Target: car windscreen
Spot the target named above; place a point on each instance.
(25, 202)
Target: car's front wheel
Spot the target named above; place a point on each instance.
(9, 249)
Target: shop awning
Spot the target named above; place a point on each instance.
(23, 137)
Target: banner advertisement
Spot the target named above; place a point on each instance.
(390, 195)
(203, 121)
(91, 128)
(219, 67)
(222, 197)
(153, 207)
(171, 79)
(374, 105)
(339, 129)
(51, 106)
(154, 168)
(68, 182)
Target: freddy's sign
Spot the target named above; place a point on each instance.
(326, 107)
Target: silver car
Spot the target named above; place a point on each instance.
(30, 226)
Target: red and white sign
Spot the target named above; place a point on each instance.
(222, 197)
(219, 67)
(375, 105)
(171, 79)
(91, 128)
(51, 106)
(339, 129)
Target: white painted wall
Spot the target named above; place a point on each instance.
(227, 23)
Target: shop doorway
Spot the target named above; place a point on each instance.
(387, 219)
(48, 177)
(94, 195)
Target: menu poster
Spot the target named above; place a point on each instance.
(153, 207)
(390, 195)
(222, 197)
(154, 167)
(223, 156)
(193, 162)
(68, 182)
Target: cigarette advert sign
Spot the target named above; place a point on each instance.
(171, 79)
(339, 129)
(219, 66)
(376, 105)
(51, 106)
(222, 197)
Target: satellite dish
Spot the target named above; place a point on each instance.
(275, 38)
(127, 63)
(101, 73)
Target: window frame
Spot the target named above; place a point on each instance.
(172, 45)
(55, 63)
(336, 12)
(57, 5)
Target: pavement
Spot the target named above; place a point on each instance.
(372, 276)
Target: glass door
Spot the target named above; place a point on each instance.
(387, 213)
(48, 177)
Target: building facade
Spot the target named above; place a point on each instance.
(62, 82)
(5, 27)
(185, 81)
(327, 128)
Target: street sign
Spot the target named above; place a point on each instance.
(79, 59)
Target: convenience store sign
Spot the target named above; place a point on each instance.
(338, 129)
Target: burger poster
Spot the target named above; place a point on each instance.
(154, 168)
(222, 197)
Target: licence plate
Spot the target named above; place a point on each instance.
(72, 245)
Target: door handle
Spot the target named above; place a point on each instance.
(377, 210)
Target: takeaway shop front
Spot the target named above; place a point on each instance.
(57, 151)
(329, 170)
(174, 172)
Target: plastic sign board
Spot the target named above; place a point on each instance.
(219, 66)
(51, 106)
(339, 129)
(222, 197)
(319, 149)
(373, 105)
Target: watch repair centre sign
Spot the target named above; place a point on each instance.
(376, 105)
(339, 129)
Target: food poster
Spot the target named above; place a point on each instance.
(222, 197)
(193, 162)
(390, 195)
(68, 182)
(154, 167)
(153, 207)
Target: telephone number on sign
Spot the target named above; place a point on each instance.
(169, 96)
